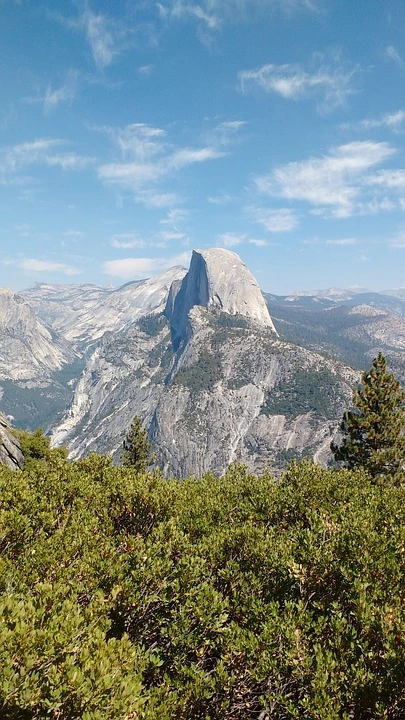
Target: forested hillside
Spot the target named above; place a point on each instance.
(124, 595)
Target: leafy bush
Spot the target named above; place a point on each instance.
(128, 596)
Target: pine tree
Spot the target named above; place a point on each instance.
(373, 432)
(137, 449)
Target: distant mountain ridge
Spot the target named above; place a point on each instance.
(218, 370)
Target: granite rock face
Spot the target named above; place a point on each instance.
(208, 379)
(217, 279)
(28, 351)
(10, 450)
(81, 314)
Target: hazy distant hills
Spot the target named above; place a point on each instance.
(353, 328)
(216, 372)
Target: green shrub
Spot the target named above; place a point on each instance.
(125, 595)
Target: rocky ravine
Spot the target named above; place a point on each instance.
(211, 380)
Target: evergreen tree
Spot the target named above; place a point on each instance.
(137, 449)
(373, 432)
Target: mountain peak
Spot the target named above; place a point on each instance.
(217, 278)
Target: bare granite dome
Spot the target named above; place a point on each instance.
(217, 278)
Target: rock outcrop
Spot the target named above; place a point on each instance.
(10, 449)
(217, 279)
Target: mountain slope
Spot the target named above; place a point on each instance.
(212, 385)
(28, 350)
(85, 313)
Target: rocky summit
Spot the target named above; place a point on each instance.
(211, 380)
(217, 279)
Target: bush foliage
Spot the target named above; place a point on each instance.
(124, 595)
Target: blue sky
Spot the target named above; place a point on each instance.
(132, 131)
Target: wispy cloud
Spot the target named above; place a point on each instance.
(44, 151)
(392, 121)
(391, 53)
(212, 14)
(168, 235)
(222, 198)
(148, 158)
(32, 265)
(154, 199)
(124, 241)
(139, 268)
(389, 178)
(100, 37)
(229, 239)
(64, 93)
(331, 84)
(274, 221)
(331, 184)
(398, 241)
(342, 241)
(145, 70)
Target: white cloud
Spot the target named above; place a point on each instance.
(100, 38)
(148, 159)
(389, 120)
(221, 199)
(334, 181)
(171, 235)
(225, 133)
(138, 141)
(145, 70)
(174, 217)
(33, 265)
(125, 241)
(39, 152)
(392, 53)
(139, 268)
(388, 178)
(275, 221)
(188, 156)
(229, 239)
(293, 82)
(398, 241)
(211, 14)
(66, 92)
(153, 199)
(258, 242)
(342, 241)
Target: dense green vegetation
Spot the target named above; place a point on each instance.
(201, 375)
(152, 324)
(124, 595)
(306, 391)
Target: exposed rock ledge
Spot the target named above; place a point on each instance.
(10, 450)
